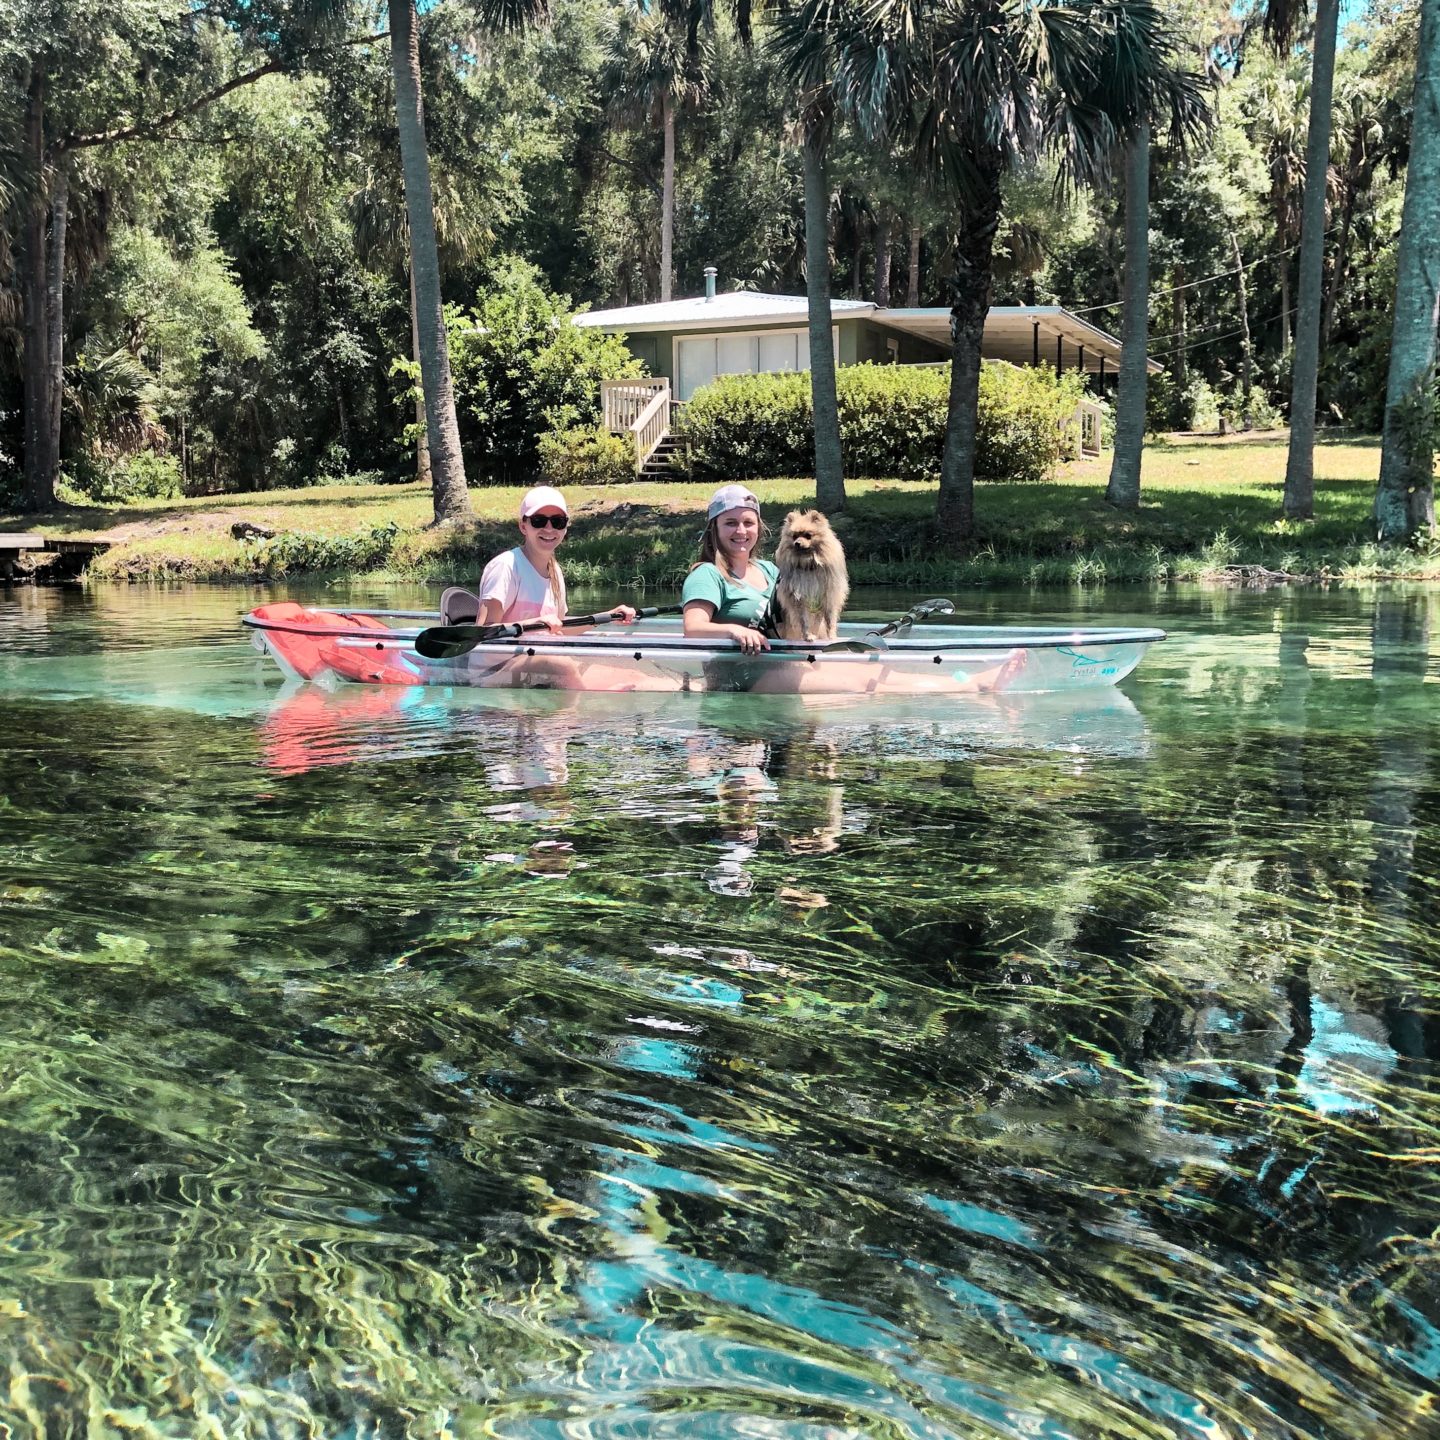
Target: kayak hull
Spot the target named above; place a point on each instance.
(334, 647)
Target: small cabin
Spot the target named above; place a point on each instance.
(688, 343)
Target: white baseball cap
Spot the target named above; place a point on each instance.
(542, 497)
(731, 497)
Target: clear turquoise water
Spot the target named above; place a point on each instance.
(394, 1064)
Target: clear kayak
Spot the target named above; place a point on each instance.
(330, 647)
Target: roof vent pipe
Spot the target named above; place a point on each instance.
(710, 273)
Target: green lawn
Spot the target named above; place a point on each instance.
(1209, 506)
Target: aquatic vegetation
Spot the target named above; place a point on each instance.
(395, 1064)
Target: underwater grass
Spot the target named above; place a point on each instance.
(408, 1097)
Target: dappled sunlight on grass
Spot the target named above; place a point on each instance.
(1209, 504)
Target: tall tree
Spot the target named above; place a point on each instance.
(1405, 499)
(1280, 104)
(805, 39)
(451, 498)
(1167, 93)
(184, 62)
(989, 87)
(651, 75)
(1123, 489)
(1299, 500)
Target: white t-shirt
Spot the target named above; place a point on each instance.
(523, 592)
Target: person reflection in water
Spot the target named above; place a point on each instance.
(762, 786)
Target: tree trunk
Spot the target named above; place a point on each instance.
(1246, 357)
(1285, 315)
(452, 500)
(969, 305)
(857, 256)
(829, 468)
(912, 290)
(422, 442)
(39, 491)
(1405, 499)
(1342, 261)
(1182, 364)
(55, 301)
(667, 202)
(1123, 490)
(1305, 365)
(883, 228)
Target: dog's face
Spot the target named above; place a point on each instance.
(807, 542)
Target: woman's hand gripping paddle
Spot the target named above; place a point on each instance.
(447, 642)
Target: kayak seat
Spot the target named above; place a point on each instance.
(458, 606)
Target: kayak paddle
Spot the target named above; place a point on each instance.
(446, 642)
(921, 611)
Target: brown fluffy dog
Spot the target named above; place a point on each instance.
(813, 584)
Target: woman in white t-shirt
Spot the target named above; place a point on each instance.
(526, 583)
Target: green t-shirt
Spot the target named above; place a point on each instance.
(735, 604)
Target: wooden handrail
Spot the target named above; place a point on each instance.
(651, 426)
(622, 400)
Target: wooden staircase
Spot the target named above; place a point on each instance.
(661, 462)
(646, 412)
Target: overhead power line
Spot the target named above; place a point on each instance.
(1207, 280)
(1211, 339)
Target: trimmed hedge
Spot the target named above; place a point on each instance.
(892, 422)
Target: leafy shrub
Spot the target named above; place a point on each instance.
(295, 551)
(892, 422)
(586, 455)
(521, 368)
(1170, 406)
(742, 426)
(1022, 410)
(142, 476)
(1264, 413)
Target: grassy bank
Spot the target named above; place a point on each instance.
(1211, 510)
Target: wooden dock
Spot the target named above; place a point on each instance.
(75, 552)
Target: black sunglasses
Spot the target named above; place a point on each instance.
(541, 521)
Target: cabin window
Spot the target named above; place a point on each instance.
(700, 358)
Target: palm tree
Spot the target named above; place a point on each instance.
(1299, 503)
(807, 41)
(651, 75)
(1123, 488)
(987, 87)
(1404, 499)
(1278, 126)
(451, 498)
(1365, 138)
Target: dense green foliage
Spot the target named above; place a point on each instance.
(892, 422)
(522, 368)
(586, 455)
(236, 296)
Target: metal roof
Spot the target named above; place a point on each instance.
(734, 309)
(1011, 331)
(1015, 332)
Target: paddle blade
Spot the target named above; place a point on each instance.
(932, 607)
(446, 642)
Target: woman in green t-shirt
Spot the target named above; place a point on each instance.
(728, 589)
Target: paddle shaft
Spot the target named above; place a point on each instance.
(449, 642)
